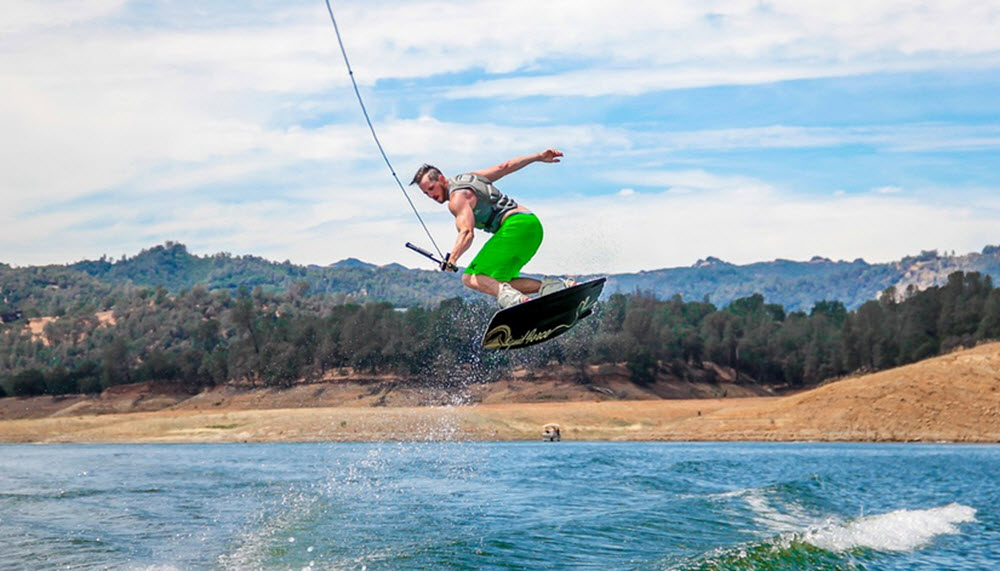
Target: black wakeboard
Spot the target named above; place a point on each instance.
(542, 318)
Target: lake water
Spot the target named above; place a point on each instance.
(402, 506)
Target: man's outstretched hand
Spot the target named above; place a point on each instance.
(550, 156)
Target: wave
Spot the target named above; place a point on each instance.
(901, 530)
(790, 555)
(808, 542)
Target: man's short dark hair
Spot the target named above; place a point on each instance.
(425, 169)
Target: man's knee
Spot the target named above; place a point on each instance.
(468, 280)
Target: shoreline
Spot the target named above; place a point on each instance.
(613, 420)
(756, 419)
(951, 398)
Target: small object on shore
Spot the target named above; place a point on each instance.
(551, 432)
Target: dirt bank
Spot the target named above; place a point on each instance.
(950, 398)
(351, 389)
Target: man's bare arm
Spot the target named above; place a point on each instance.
(503, 169)
(461, 204)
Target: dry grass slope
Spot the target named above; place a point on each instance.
(953, 398)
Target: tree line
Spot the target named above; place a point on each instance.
(795, 285)
(198, 338)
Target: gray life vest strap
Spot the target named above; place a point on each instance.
(491, 204)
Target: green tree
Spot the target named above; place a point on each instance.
(60, 381)
(918, 318)
(833, 311)
(115, 364)
(989, 324)
(246, 361)
(29, 383)
(962, 304)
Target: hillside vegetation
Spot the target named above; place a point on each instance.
(99, 334)
(796, 286)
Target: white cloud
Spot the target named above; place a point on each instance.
(679, 180)
(503, 36)
(602, 80)
(22, 16)
(116, 123)
(738, 220)
(921, 137)
(748, 224)
(91, 107)
(651, 46)
(888, 190)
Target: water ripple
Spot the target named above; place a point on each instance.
(574, 506)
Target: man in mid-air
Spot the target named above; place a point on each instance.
(517, 232)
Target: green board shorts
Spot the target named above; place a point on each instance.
(513, 245)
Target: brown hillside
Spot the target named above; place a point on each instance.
(954, 397)
(557, 383)
(949, 398)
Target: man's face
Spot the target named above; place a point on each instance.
(435, 188)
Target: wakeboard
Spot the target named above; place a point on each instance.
(542, 318)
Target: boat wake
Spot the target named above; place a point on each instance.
(901, 530)
(796, 540)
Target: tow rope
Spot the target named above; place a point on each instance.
(371, 128)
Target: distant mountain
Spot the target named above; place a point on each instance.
(174, 268)
(795, 285)
(798, 285)
(353, 264)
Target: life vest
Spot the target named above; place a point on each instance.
(491, 204)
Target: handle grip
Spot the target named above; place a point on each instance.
(432, 258)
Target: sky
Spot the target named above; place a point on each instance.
(744, 130)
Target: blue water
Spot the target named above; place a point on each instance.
(571, 506)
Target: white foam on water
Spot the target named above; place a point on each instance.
(791, 520)
(901, 530)
(255, 543)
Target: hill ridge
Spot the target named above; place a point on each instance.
(796, 285)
